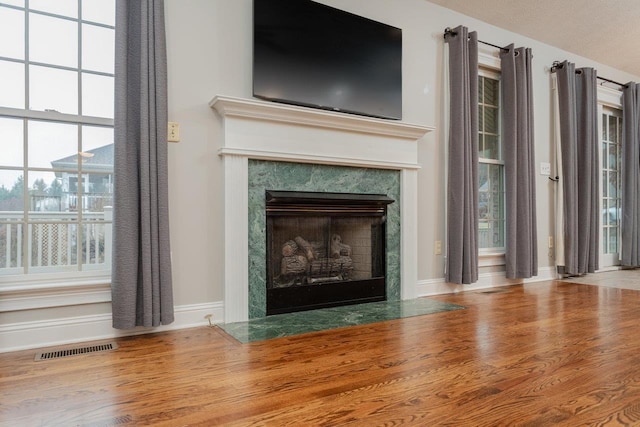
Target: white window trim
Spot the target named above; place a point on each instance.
(57, 290)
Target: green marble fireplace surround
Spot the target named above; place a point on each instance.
(285, 176)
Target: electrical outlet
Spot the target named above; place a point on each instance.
(173, 132)
(437, 247)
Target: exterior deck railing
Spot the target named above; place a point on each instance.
(55, 241)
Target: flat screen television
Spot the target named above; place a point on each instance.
(306, 53)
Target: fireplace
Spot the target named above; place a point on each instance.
(324, 249)
(326, 150)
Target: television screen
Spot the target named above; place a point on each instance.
(309, 54)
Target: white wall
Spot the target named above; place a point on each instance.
(209, 52)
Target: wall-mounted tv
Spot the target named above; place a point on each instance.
(306, 53)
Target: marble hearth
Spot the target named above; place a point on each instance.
(275, 146)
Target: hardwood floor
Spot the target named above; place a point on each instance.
(550, 353)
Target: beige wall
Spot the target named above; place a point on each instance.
(210, 53)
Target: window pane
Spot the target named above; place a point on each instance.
(11, 84)
(482, 152)
(491, 147)
(496, 178)
(97, 143)
(43, 194)
(604, 127)
(53, 40)
(613, 185)
(613, 240)
(19, 3)
(491, 120)
(95, 245)
(53, 145)
(11, 142)
(97, 193)
(53, 246)
(483, 208)
(97, 95)
(484, 235)
(102, 11)
(12, 28)
(61, 96)
(497, 234)
(491, 91)
(10, 247)
(59, 7)
(496, 205)
(604, 155)
(94, 137)
(613, 156)
(611, 213)
(97, 48)
(11, 192)
(613, 128)
(483, 177)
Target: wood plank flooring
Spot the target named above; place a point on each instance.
(551, 353)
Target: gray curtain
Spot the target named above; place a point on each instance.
(462, 181)
(630, 226)
(521, 253)
(141, 271)
(577, 97)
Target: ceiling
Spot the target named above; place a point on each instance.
(603, 30)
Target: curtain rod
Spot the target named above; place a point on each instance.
(558, 64)
(453, 33)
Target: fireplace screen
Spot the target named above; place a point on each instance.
(324, 249)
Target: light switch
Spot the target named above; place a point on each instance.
(545, 168)
(437, 247)
(173, 132)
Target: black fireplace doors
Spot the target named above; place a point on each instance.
(324, 249)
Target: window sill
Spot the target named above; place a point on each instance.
(491, 259)
(53, 290)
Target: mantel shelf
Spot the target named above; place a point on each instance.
(302, 116)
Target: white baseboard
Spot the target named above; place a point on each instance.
(485, 281)
(30, 335)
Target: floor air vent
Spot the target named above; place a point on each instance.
(56, 354)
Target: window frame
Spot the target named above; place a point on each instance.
(608, 100)
(490, 256)
(28, 289)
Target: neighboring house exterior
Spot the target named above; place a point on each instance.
(97, 181)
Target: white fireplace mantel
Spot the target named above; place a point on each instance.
(254, 129)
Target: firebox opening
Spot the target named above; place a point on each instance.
(324, 249)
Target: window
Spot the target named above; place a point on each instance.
(56, 134)
(491, 226)
(611, 183)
